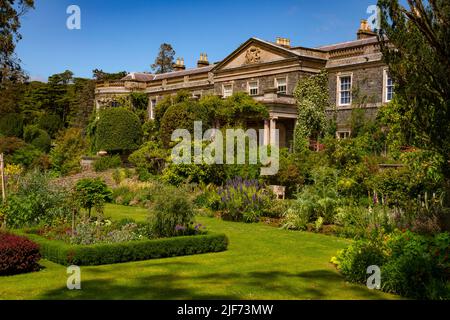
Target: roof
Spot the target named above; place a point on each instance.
(348, 44)
(147, 77)
(293, 51)
(139, 76)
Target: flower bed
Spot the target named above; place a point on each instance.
(101, 254)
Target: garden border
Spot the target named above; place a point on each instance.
(102, 254)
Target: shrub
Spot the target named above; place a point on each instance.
(354, 261)
(37, 138)
(411, 265)
(36, 202)
(418, 267)
(66, 155)
(244, 200)
(135, 193)
(17, 255)
(26, 156)
(9, 145)
(171, 213)
(289, 174)
(11, 125)
(182, 116)
(101, 254)
(150, 157)
(92, 193)
(50, 123)
(118, 130)
(105, 163)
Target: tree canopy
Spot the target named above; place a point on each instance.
(165, 59)
(415, 42)
(10, 14)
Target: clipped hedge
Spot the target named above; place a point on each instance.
(101, 254)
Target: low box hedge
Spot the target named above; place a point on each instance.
(101, 254)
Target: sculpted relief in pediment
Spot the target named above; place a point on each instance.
(253, 55)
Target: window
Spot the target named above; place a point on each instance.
(253, 88)
(227, 90)
(342, 135)
(152, 109)
(389, 87)
(281, 85)
(114, 104)
(345, 90)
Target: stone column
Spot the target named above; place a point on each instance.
(266, 132)
(273, 127)
(150, 109)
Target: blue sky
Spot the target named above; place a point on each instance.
(125, 35)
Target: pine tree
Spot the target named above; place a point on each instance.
(165, 59)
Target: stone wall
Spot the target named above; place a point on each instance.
(265, 82)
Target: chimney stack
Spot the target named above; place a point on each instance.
(364, 31)
(179, 65)
(284, 42)
(203, 62)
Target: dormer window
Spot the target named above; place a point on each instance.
(253, 88)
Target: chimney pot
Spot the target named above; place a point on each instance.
(203, 62)
(364, 31)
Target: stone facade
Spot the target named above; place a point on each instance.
(270, 71)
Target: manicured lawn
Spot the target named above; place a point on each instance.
(262, 262)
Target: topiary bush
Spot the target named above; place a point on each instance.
(17, 255)
(117, 130)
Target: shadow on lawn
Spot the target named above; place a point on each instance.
(315, 285)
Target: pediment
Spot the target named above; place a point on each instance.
(254, 52)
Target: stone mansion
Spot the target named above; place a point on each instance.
(269, 72)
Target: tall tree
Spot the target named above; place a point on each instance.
(10, 13)
(165, 59)
(415, 41)
(100, 75)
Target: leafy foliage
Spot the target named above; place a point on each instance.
(37, 138)
(172, 213)
(105, 163)
(66, 155)
(17, 255)
(312, 98)
(11, 125)
(117, 130)
(36, 202)
(165, 59)
(417, 55)
(92, 193)
(243, 200)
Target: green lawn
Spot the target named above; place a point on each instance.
(262, 262)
